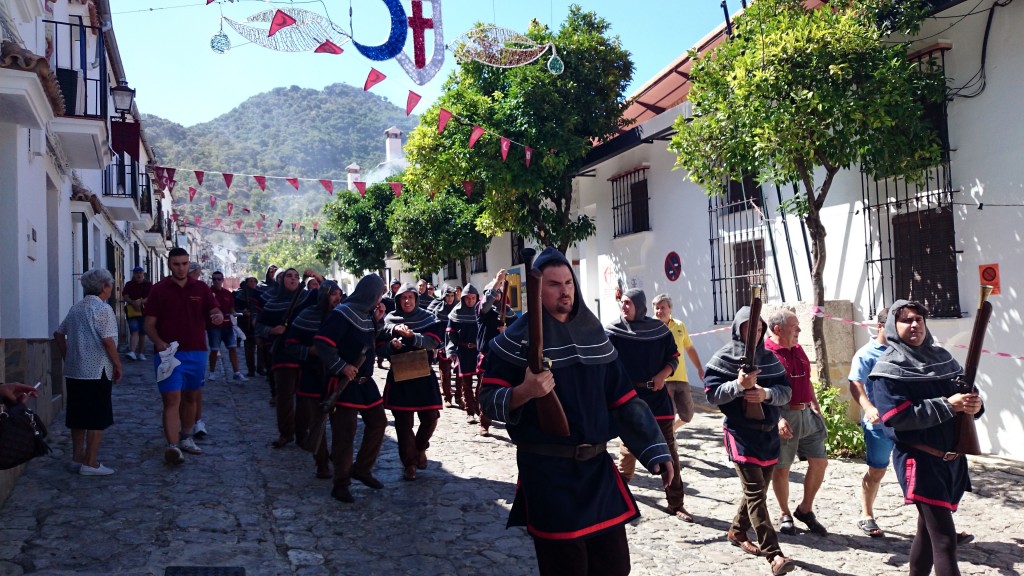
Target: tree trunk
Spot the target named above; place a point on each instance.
(465, 271)
(817, 231)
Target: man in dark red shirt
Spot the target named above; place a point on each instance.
(176, 311)
(801, 425)
(225, 331)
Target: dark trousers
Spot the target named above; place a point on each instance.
(674, 493)
(343, 432)
(411, 444)
(444, 366)
(606, 554)
(935, 542)
(753, 509)
(307, 411)
(250, 352)
(287, 379)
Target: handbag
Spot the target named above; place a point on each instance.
(22, 436)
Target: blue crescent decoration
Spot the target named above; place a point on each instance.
(396, 39)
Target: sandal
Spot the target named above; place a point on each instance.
(682, 514)
(870, 527)
(786, 525)
(964, 538)
(812, 523)
(745, 545)
(782, 565)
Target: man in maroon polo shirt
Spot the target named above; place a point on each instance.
(176, 311)
(801, 425)
(223, 333)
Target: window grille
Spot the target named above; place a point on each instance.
(909, 230)
(630, 209)
(736, 234)
(478, 262)
(518, 243)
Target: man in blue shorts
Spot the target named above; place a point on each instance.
(879, 446)
(176, 311)
(134, 294)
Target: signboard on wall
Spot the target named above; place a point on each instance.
(989, 274)
(515, 294)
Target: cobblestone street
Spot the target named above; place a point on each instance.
(245, 504)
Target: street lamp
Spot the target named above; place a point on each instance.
(123, 97)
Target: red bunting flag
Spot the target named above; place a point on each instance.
(161, 174)
(231, 207)
(170, 185)
(216, 221)
(505, 145)
(328, 47)
(361, 186)
(467, 185)
(281, 20)
(411, 102)
(197, 219)
(191, 193)
(213, 201)
(246, 211)
(328, 185)
(199, 176)
(475, 135)
(169, 172)
(397, 187)
(227, 179)
(442, 120)
(432, 194)
(279, 222)
(529, 155)
(261, 181)
(174, 216)
(259, 224)
(294, 182)
(264, 216)
(208, 2)
(238, 223)
(373, 78)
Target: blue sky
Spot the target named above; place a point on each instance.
(165, 46)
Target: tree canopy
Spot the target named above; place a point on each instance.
(356, 233)
(560, 117)
(798, 93)
(286, 253)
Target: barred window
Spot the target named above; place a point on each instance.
(630, 210)
(451, 270)
(518, 243)
(478, 262)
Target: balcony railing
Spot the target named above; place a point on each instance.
(145, 194)
(80, 60)
(158, 221)
(121, 179)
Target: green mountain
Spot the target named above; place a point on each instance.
(286, 132)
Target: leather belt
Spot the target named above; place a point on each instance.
(945, 456)
(582, 452)
(649, 385)
(800, 406)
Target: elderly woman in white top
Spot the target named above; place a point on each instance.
(87, 339)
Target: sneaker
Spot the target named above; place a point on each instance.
(173, 455)
(142, 356)
(132, 355)
(199, 429)
(212, 376)
(240, 377)
(100, 470)
(189, 445)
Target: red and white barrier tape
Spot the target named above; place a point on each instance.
(722, 329)
(819, 312)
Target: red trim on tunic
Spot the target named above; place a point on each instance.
(625, 398)
(325, 339)
(620, 519)
(734, 454)
(496, 382)
(360, 406)
(910, 472)
(285, 365)
(307, 395)
(434, 336)
(896, 410)
(667, 417)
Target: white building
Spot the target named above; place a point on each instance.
(71, 203)
(886, 240)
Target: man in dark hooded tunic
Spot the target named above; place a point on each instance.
(918, 399)
(441, 308)
(348, 332)
(423, 300)
(489, 325)
(752, 445)
(412, 329)
(298, 349)
(263, 290)
(647, 350)
(460, 346)
(570, 496)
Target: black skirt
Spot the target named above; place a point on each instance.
(89, 406)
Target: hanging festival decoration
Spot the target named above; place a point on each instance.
(199, 176)
(231, 207)
(419, 69)
(361, 187)
(191, 193)
(411, 102)
(505, 145)
(373, 78)
(529, 155)
(227, 179)
(503, 48)
(467, 185)
(397, 188)
(294, 182)
(220, 43)
(307, 31)
(261, 181)
(442, 120)
(217, 221)
(475, 135)
(328, 185)
(328, 47)
(213, 201)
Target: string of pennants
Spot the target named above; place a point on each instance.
(196, 221)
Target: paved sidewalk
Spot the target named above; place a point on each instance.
(245, 504)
